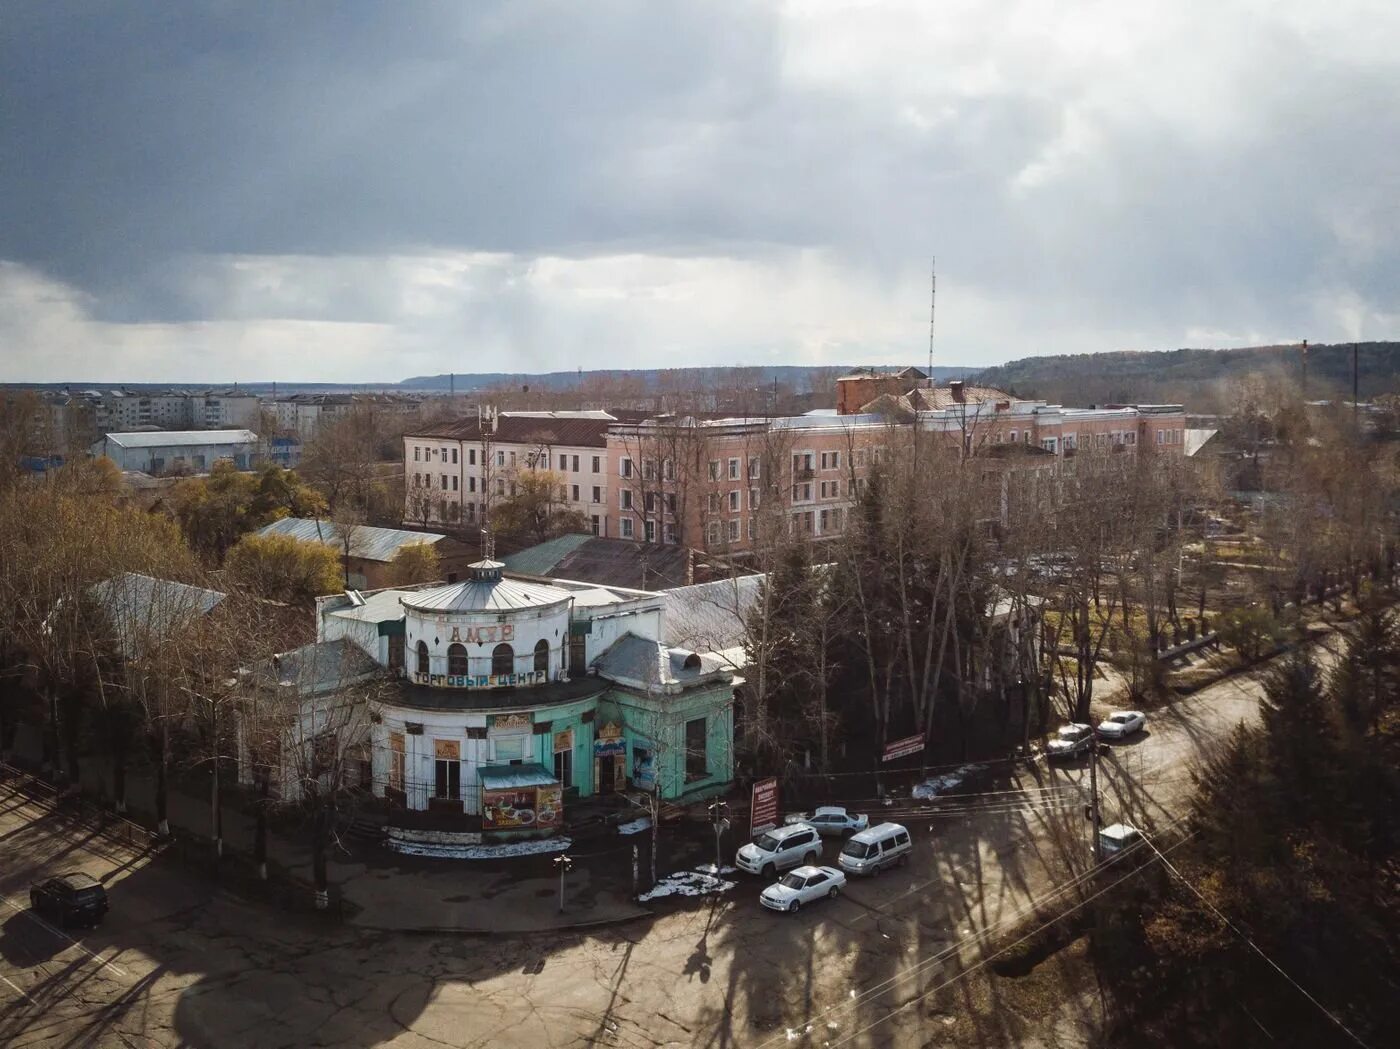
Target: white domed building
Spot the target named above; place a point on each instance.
(509, 697)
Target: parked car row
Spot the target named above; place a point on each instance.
(1076, 739)
(796, 848)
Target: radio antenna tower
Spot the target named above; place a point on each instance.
(932, 303)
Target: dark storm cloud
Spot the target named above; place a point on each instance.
(1089, 176)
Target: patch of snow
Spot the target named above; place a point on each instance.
(699, 882)
(635, 826)
(945, 784)
(482, 852)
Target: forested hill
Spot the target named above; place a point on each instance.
(650, 378)
(1197, 378)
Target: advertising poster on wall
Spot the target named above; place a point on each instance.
(549, 806)
(509, 809)
(643, 768)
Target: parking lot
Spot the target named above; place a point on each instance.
(179, 961)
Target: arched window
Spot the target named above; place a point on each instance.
(457, 660)
(422, 657)
(502, 660)
(542, 656)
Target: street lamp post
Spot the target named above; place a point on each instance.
(719, 812)
(563, 861)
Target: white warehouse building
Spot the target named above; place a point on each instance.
(177, 451)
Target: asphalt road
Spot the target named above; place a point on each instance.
(179, 962)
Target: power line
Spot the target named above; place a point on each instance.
(1016, 943)
(1255, 947)
(914, 970)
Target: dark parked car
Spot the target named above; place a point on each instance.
(70, 899)
(1070, 742)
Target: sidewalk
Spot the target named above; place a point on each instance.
(388, 891)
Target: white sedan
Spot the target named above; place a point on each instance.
(803, 885)
(832, 819)
(1122, 723)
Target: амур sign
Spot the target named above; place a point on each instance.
(903, 748)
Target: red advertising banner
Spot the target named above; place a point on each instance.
(763, 812)
(902, 748)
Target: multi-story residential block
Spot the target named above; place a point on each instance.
(453, 472)
(124, 410)
(719, 484)
(306, 414)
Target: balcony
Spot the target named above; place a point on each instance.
(805, 473)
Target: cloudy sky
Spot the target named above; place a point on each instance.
(367, 190)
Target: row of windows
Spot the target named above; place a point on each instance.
(810, 522)
(1170, 436)
(502, 659)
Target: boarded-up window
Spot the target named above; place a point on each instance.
(396, 760)
(697, 763)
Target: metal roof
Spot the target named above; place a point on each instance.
(174, 438)
(366, 542)
(143, 609)
(605, 561)
(643, 663)
(709, 617)
(320, 667)
(485, 595)
(541, 558)
(508, 777)
(550, 429)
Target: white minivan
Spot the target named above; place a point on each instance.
(870, 851)
(780, 848)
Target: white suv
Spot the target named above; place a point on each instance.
(780, 848)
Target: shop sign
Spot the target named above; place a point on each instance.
(606, 748)
(507, 722)
(482, 635)
(902, 748)
(447, 750)
(763, 809)
(611, 730)
(564, 740)
(532, 677)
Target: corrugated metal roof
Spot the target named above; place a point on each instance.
(380, 607)
(478, 595)
(320, 667)
(173, 438)
(605, 561)
(551, 429)
(510, 777)
(709, 617)
(541, 558)
(143, 609)
(366, 542)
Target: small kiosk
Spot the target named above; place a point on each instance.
(519, 802)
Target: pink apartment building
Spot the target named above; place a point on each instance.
(715, 484)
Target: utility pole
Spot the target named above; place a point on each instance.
(1305, 370)
(1094, 793)
(932, 303)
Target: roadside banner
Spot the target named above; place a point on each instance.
(902, 748)
(763, 812)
